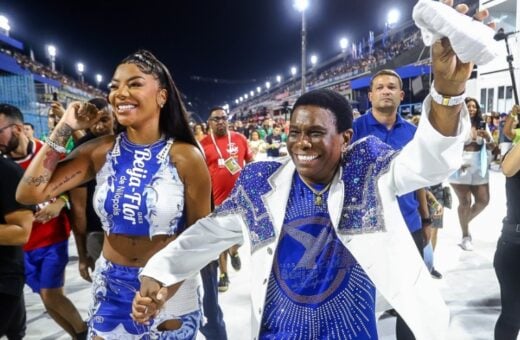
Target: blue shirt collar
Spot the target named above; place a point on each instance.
(373, 121)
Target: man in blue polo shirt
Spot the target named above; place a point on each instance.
(382, 121)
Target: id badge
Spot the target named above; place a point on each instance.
(221, 163)
(232, 165)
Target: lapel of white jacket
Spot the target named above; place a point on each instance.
(336, 198)
(276, 199)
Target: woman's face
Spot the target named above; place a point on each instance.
(135, 96)
(472, 108)
(198, 129)
(255, 136)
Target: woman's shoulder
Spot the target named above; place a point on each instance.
(183, 151)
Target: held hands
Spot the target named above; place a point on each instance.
(450, 73)
(149, 300)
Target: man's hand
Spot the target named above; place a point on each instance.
(50, 211)
(449, 72)
(84, 265)
(149, 300)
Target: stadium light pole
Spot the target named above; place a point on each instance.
(80, 68)
(393, 17)
(293, 71)
(314, 60)
(99, 79)
(51, 51)
(301, 5)
(343, 44)
(4, 25)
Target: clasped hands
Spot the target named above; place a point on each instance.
(148, 300)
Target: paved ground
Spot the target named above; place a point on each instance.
(469, 285)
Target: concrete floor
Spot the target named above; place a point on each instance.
(469, 286)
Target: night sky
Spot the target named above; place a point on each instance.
(216, 50)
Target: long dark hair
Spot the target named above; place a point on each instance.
(475, 121)
(173, 119)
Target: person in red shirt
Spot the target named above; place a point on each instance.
(227, 152)
(46, 251)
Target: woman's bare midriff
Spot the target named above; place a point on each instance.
(473, 146)
(133, 251)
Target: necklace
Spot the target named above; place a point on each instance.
(318, 194)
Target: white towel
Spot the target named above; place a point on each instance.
(471, 40)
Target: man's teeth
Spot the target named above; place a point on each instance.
(306, 158)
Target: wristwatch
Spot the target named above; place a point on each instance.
(446, 100)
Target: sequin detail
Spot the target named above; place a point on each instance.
(246, 201)
(317, 290)
(365, 162)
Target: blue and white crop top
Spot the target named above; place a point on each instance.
(139, 191)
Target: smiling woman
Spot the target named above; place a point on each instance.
(152, 184)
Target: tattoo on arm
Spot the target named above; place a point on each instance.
(62, 134)
(65, 180)
(36, 181)
(51, 159)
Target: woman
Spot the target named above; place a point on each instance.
(199, 132)
(508, 252)
(257, 145)
(152, 183)
(471, 181)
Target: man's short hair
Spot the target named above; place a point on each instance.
(386, 72)
(99, 103)
(215, 108)
(11, 112)
(332, 101)
(29, 124)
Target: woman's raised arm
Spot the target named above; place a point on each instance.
(48, 175)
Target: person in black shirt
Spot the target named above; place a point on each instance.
(15, 226)
(274, 142)
(85, 222)
(507, 256)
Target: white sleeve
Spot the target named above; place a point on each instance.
(194, 248)
(430, 157)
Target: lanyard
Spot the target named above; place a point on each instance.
(216, 146)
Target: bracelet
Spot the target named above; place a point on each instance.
(446, 100)
(55, 146)
(65, 198)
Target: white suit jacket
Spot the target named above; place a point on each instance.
(374, 233)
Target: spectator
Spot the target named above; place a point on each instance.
(471, 181)
(15, 227)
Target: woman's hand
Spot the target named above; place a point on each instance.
(80, 116)
(149, 300)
